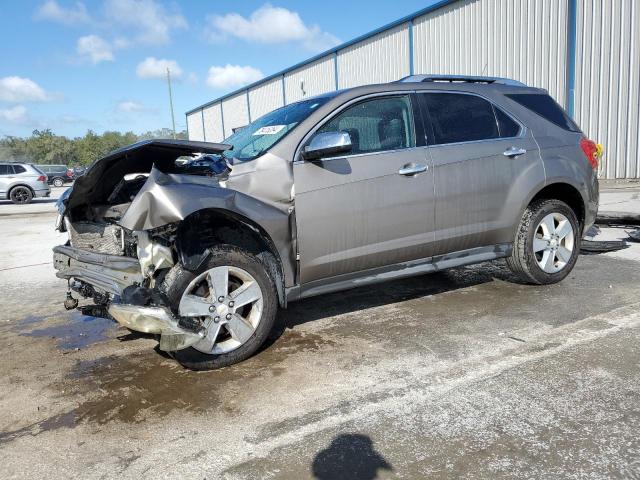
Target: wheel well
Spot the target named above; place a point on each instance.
(206, 228)
(21, 185)
(566, 193)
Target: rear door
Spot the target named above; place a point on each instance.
(484, 163)
(359, 211)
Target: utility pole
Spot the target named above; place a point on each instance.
(173, 119)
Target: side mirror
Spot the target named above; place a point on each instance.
(326, 144)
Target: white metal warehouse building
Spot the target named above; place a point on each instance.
(586, 53)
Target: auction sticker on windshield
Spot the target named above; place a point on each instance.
(270, 130)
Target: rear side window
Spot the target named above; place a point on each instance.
(4, 169)
(546, 107)
(461, 118)
(507, 126)
(19, 169)
(376, 125)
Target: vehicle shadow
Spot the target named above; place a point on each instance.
(350, 456)
(390, 292)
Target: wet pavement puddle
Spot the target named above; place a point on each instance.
(77, 331)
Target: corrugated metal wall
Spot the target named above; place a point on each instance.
(607, 99)
(521, 39)
(265, 98)
(313, 79)
(236, 113)
(379, 59)
(194, 126)
(212, 118)
(527, 40)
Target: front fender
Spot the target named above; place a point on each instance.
(168, 198)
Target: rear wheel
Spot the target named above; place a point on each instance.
(234, 298)
(547, 242)
(58, 182)
(21, 195)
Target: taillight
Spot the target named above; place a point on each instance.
(591, 151)
(42, 178)
(69, 173)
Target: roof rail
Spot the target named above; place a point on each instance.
(461, 78)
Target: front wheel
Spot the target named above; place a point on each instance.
(58, 182)
(234, 298)
(547, 243)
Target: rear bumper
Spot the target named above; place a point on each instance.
(42, 193)
(592, 203)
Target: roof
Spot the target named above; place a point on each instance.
(460, 79)
(334, 50)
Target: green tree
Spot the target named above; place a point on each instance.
(43, 146)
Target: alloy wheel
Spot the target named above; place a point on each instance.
(20, 195)
(229, 302)
(553, 242)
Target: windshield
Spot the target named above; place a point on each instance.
(259, 136)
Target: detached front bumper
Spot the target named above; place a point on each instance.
(158, 320)
(112, 274)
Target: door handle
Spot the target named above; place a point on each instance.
(513, 152)
(412, 169)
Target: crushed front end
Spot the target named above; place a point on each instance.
(125, 270)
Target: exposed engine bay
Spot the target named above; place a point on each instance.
(143, 215)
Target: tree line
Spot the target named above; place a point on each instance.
(44, 147)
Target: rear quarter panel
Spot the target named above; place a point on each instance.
(562, 157)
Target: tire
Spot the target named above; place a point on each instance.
(179, 280)
(21, 195)
(533, 232)
(58, 182)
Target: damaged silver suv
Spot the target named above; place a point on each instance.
(201, 243)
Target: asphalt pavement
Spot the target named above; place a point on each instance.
(462, 373)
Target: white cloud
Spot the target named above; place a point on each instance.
(52, 11)
(152, 67)
(16, 115)
(130, 106)
(270, 24)
(19, 89)
(192, 78)
(232, 76)
(95, 48)
(150, 20)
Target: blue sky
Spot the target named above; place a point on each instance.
(77, 65)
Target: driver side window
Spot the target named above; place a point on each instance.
(376, 125)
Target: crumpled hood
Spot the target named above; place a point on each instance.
(105, 173)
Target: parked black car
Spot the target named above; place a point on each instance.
(78, 171)
(57, 175)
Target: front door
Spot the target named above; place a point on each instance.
(368, 208)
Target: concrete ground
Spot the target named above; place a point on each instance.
(462, 373)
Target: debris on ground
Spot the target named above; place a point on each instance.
(618, 218)
(592, 232)
(593, 247)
